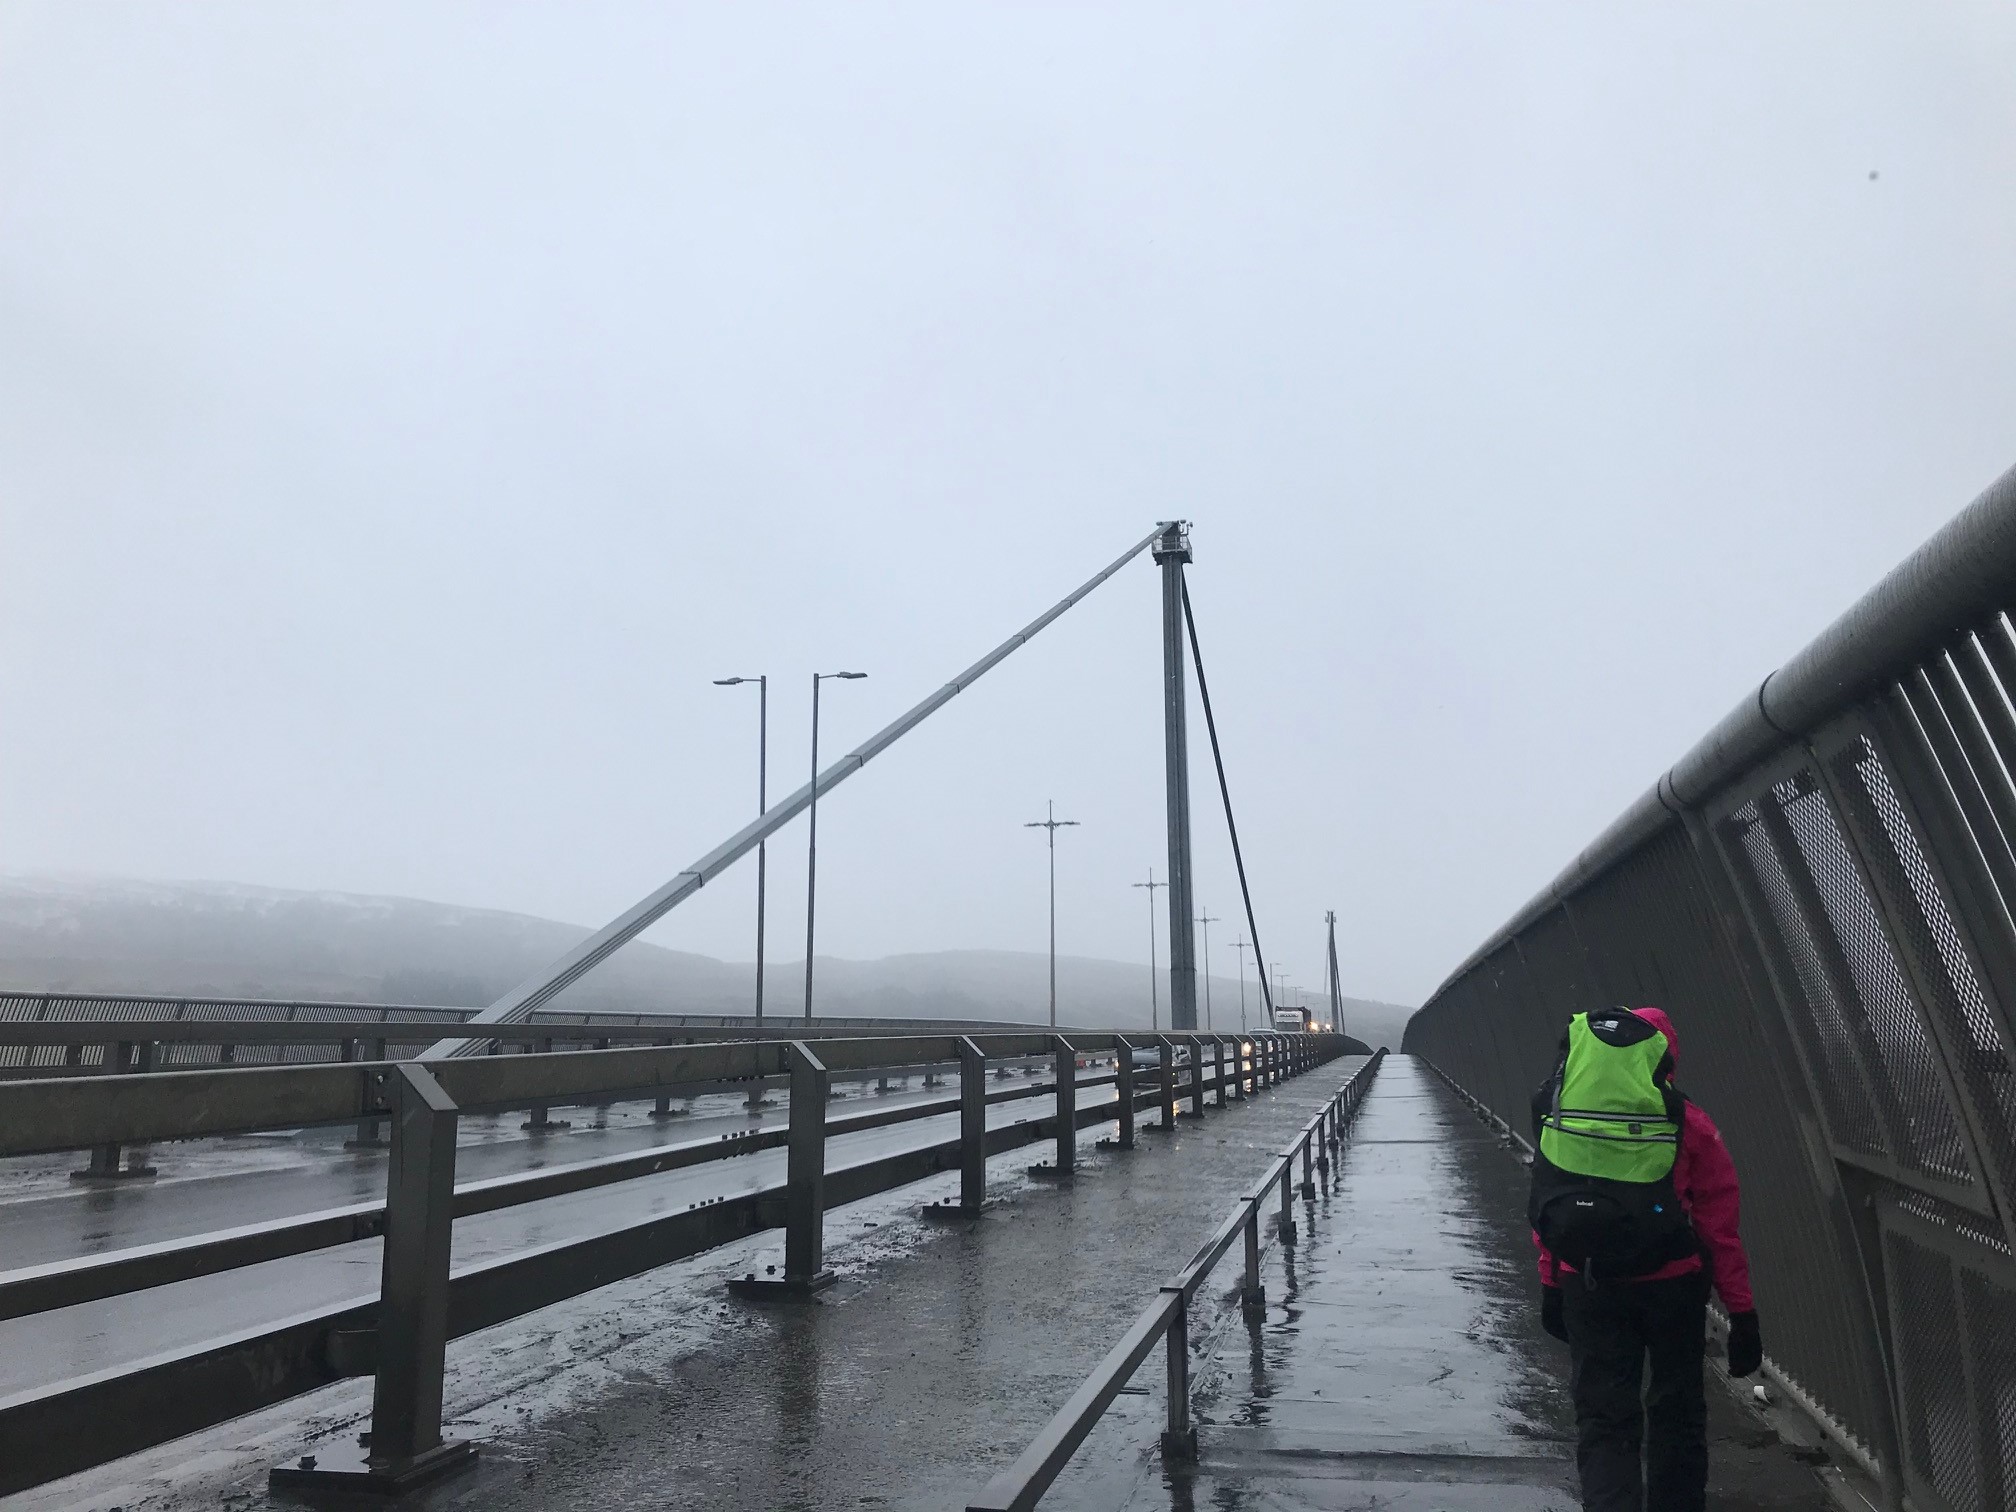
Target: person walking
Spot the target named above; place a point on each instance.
(1635, 1212)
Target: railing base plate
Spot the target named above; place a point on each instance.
(1045, 1170)
(780, 1288)
(347, 1468)
(947, 1211)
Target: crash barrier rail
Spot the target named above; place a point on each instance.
(1821, 893)
(144, 1046)
(400, 1337)
(67, 1033)
(1020, 1486)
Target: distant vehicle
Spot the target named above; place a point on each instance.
(1149, 1057)
(1291, 1020)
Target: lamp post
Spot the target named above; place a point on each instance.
(1242, 947)
(1207, 921)
(1154, 1007)
(762, 807)
(1053, 824)
(812, 833)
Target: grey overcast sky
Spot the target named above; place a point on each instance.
(406, 410)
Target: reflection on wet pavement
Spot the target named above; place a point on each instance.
(1399, 1365)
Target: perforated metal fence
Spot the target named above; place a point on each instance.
(1823, 895)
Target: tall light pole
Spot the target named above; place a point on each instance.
(1336, 983)
(1053, 824)
(1154, 970)
(762, 807)
(1242, 947)
(1207, 921)
(812, 833)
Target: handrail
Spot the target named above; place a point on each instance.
(1020, 1486)
(400, 1336)
(74, 1113)
(111, 1273)
(41, 1033)
(1959, 579)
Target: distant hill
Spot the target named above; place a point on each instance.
(67, 934)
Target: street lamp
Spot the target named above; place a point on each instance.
(812, 832)
(1207, 921)
(762, 807)
(1242, 947)
(1154, 1007)
(1053, 824)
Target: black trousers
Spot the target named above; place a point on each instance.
(1614, 1330)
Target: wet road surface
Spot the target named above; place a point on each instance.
(48, 1347)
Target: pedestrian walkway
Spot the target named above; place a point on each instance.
(1400, 1365)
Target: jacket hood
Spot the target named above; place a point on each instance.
(1656, 1017)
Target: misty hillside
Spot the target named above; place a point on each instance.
(115, 935)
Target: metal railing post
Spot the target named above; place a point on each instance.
(1179, 1437)
(1123, 1091)
(405, 1444)
(1066, 1062)
(367, 1134)
(104, 1164)
(1287, 1225)
(413, 1305)
(1196, 1076)
(804, 1185)
(540, 1120)
(1252, 1295)
(1218, 1062)
(1308, 1172)
(1324, 1122)
(972, 1136)
(1168, 1082)
(972, 1126)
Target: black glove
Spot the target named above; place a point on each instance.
(1746, 1344)
(1550, 1313)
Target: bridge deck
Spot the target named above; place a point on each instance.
(1397, 1365)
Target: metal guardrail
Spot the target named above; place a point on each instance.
(401, 1337)
(53, 1034)
(1822, 892)
(1020, 1486)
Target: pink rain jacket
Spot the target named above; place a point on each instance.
(1705, 1178)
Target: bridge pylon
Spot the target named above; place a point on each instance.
(1172, 551)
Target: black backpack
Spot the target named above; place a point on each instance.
(1607, 1127)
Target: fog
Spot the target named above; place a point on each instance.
(407, 411)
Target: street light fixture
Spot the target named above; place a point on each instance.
(1154, 1007)
(1242, 947)
(1053, 824)
(1207, 921)
(762, 807)
(812, 832)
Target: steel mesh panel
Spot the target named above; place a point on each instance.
(1990, 1314)
(1973, 1039)
(1904, 1054)
(1938, 1421)
(1823, 1028)
(1660, 939)
(1968, 1225)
